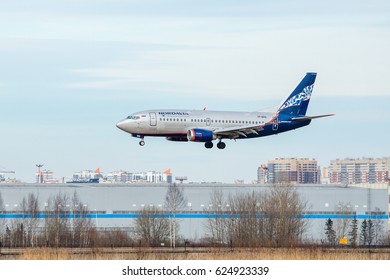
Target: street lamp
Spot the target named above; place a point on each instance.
(39, 173)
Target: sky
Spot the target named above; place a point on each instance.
(70, 70)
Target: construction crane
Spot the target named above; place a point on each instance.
(181, 179)
(4, 171)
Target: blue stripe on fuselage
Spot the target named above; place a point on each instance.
(272, 129)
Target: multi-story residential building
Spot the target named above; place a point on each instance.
(291, 170)
(46, 177)
(359, 171)
(262, 174)
(324, 176)
(152, 177)
(85, 175)
(128, 177)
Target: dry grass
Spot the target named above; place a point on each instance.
(198, 254)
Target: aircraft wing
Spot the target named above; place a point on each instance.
(237, 131)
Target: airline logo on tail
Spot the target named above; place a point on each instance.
(297, 99)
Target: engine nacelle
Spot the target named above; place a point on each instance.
(177, 138)
(200, 135)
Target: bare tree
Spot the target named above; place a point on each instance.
(217, 222)
(81, 225)
(57, 222)
(341, 225)
(245, 226)
(16, 233)
(283, 208)
(269, 218)
(379, 231)
(174, 201)
(30, 220)
(152, 227)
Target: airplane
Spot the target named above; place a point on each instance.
(206, 126)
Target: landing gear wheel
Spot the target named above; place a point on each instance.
(142, 143)
(221, 145)
(208, 145)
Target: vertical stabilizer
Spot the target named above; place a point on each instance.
(296, 104)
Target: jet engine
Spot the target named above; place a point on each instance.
(200, 135)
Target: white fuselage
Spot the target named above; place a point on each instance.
(178, 122)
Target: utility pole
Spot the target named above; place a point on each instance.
(39, 173)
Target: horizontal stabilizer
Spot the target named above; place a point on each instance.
(306, 118)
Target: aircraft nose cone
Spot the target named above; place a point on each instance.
(121, 124)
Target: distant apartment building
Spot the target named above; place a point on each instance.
(152, 177)
(289, 170)
(325, 176)
(86, 175)
(262, 174)
(130, 177)
(46, 177)
(118, 177)
(359, 171)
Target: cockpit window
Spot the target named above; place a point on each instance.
(133, 117)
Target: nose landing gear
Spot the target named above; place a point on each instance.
(142, 143)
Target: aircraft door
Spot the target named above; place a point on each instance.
(275, 125)
(153, 119)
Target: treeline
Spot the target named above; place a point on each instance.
(66, 222)
(269, 218)
(63, 222)
(370, 232)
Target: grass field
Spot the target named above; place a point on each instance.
(196, 254)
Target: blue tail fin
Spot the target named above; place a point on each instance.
(296, 104)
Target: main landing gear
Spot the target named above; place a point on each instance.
(220, 145)
(208, 145)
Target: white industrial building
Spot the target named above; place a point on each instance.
(117, 205)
